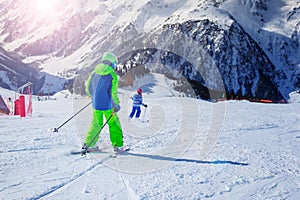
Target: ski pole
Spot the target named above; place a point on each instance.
(56, 129)
(97, 135)
(144, 113)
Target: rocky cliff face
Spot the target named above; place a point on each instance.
(14, 73)
(274, 26)
(208, 54)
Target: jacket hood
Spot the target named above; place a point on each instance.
(103, 69)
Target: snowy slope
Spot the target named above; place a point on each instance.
(195, 150)
(73, 31)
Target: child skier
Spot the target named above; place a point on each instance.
(102, 86)
(137, 102)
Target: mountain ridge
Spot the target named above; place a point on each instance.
(88, 28)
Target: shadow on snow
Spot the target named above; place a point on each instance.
(216, 162)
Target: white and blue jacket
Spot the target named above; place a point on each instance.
(137, 100)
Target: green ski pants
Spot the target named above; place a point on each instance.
(115, 130)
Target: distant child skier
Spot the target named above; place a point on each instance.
(102, 86)
(137, 102)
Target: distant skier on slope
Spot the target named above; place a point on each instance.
(137, 102)
(102, 86)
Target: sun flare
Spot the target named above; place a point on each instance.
(45, 6)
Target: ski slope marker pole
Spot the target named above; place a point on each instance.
(56, 129)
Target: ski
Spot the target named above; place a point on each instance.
(95, 151)
(92, 150)
(76, 152)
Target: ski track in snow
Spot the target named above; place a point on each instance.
(63, 184)
(255, 155)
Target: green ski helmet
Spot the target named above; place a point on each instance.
(109, 59)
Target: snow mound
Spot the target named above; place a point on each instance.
(157, 85)
(295, 97)
(62, 94)
(5, 93)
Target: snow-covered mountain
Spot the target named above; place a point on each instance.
(14, 73)
(244, 49)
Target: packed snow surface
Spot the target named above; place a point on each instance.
(181, 148)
